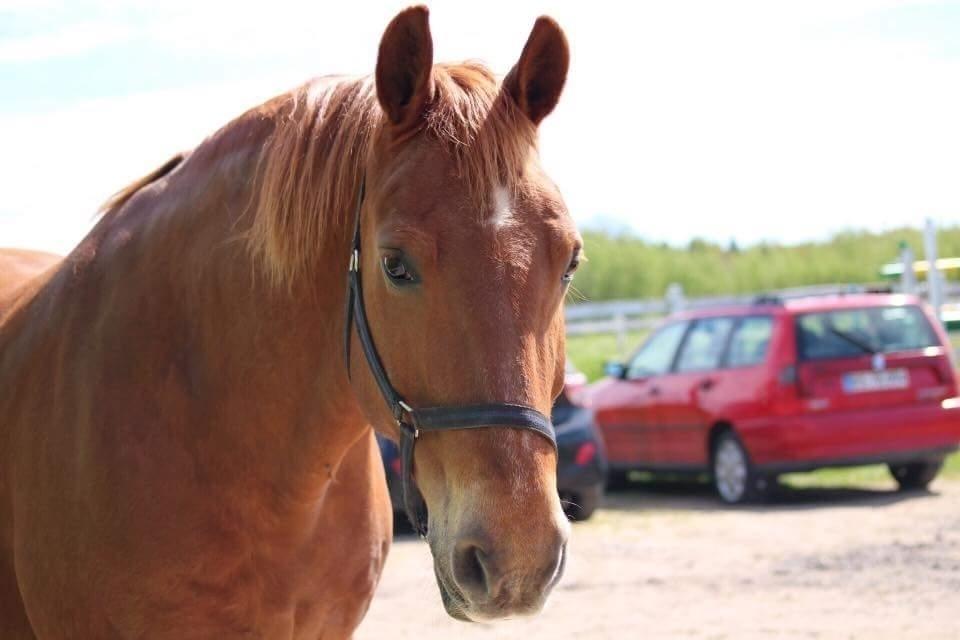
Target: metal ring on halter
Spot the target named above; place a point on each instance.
(400, 423)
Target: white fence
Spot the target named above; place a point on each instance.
(622, 316)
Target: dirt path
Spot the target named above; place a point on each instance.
(671, 563)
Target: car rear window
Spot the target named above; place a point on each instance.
(847, 333)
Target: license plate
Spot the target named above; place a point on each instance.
(864, 381)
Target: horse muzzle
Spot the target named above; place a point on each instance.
(480, 581)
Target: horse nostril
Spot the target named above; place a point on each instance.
(470, 571)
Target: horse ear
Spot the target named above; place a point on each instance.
(537, 79)
(404, 64)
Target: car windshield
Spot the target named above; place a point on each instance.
(846, 333)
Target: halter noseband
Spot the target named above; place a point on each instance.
(414, 421)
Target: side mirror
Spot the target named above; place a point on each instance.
(615, 369)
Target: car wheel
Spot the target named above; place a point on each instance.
(915, 476)
(580, 505)
(734, 478)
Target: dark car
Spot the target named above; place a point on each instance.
(581, 467)
(582, 463)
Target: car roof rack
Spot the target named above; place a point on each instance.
(779, 298)
(768, 299)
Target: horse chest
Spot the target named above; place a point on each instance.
(178, 567)
(318, 589)
(313, 579)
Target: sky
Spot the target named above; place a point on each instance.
(737, 120)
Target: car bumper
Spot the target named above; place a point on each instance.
(576, 434)
(892, 434)
(572, 477)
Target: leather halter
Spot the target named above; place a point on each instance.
(412, 422)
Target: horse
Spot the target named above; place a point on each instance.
(186, 451)
(18, 266)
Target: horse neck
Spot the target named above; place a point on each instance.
(261, 365)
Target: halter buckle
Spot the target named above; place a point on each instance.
(409, 428)
(399, 410)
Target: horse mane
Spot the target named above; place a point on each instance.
(311, 165)
(120, 198)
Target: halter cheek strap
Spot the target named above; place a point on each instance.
(412, 422)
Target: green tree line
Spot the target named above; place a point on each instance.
(623, 265)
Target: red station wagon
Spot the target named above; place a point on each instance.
(749, 392)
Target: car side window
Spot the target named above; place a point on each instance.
(656, 354)
(704, 345)
(750, 341)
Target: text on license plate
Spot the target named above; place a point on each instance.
(862, 381)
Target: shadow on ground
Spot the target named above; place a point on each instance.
(696, 496)
(699, 496)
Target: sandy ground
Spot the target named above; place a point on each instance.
(669, 562)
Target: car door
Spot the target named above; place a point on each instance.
(625, 410)
(682, 412)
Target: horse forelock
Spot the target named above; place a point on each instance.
(311, 166)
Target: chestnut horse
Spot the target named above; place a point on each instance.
(17, 267)
(183, 453)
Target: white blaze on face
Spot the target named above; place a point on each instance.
(502, 214)
(515, 244)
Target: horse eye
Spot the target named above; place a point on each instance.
(571, 268)
(397, 270)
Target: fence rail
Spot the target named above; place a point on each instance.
(622, 316)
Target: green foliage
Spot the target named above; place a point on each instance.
(588, 353)
(952, 466)
(859, 476)
(623, 265)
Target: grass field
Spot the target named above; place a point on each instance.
(859, 476)
(588, 353)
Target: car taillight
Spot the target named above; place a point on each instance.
(585, 453)
(395, 465)
(946, 370)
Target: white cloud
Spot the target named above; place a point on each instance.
(61, 165)
(749, 120)
(740, 126)
(62, 42)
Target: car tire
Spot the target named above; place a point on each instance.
(580, 505)
(734, 478)
(915, 476)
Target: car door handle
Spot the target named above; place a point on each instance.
(707, 383)
(654, 391)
